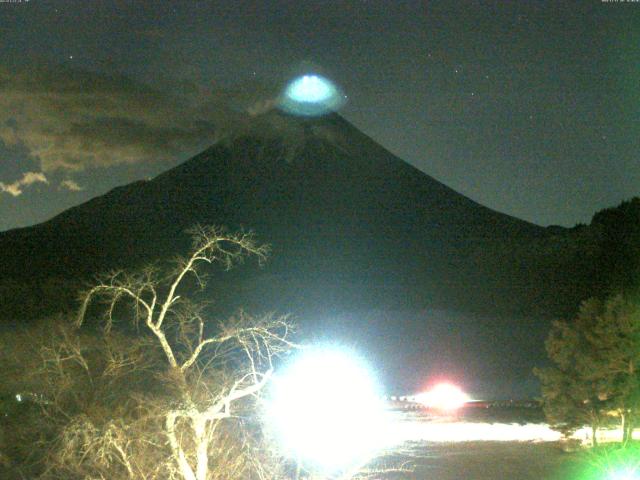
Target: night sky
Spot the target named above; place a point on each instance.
(530, 108)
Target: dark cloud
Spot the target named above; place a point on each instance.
(71, 120)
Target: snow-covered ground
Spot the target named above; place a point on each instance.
(455, 448)
(479, 460)
(419, 427)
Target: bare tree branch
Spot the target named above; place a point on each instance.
(207, 375)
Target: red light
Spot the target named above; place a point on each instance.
(443, 396)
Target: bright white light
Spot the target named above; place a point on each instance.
(311, 95)
(326, 411)
(625, 474)
(443, 396)
(310, 88)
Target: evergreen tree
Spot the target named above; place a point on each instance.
(574, 394)
(595, 371)
(616, 336)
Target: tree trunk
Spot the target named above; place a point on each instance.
(202, 449)
(625, 426)
(629, 426)
(181, 459)
(594, 435)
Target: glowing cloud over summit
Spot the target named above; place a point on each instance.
(311, 95)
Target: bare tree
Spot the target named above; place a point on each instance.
(209, 379)
(172, 399)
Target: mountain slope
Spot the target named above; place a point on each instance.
(330, 201)
(366, 248)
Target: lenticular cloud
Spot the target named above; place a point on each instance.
(311, 95)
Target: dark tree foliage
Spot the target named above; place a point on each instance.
(616, 231)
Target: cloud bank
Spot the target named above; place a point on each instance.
(70, 120)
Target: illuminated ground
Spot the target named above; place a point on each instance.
(481, 461)
(466, 449)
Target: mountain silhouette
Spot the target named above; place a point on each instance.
(365, 248)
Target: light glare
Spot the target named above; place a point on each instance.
(326, 411)
(625, 474)
(443, 396)
(311, 95)
(310, 88)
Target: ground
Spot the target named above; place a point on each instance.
(478, 445)
(482, 460)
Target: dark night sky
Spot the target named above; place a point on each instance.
(530, 108)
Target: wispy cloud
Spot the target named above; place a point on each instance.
(70, 120)
(70, 185)
(28, 178)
